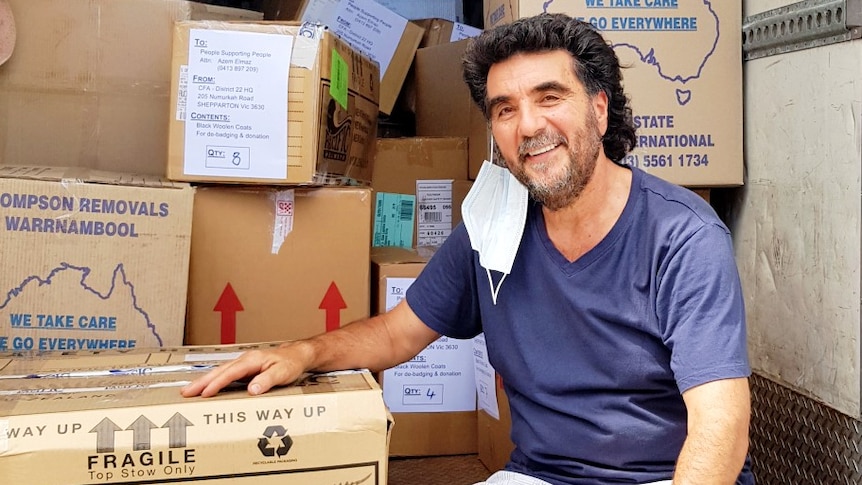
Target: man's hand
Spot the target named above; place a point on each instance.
(267, 368)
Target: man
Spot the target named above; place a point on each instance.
(610, 301)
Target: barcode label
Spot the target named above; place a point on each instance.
(393, 220)
(434, 221)
(406, 210)
(433, 217)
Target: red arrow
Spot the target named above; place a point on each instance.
(228, 304)
(333, 303)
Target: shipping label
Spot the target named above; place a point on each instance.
(235, 111)
(438, 379)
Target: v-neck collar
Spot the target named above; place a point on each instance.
(618, 229)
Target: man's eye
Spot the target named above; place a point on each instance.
(550, 98)
(504, 111)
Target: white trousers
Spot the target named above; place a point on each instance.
(511, 478)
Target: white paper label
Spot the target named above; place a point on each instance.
(439, 379)
(182, 93)
(463, 31)
(4, 435)
(486, 386)
(283, 224)
(434, 214)
(235, 122)
(369, 27)
(396, 288)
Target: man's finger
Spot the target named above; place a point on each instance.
(277, 374)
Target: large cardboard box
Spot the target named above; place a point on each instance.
(270, 103)
(89, 83)
(270, 264)
(400, 162)
(127, 423)
(374, 30)
(425, 432)
(443, 103)
(685, 80)
(92, 260)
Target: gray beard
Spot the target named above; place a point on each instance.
(569, 187)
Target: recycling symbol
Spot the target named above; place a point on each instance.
(275, 441)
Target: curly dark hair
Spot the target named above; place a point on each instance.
(595, 64)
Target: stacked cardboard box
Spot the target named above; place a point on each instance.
(122, 262)
(433, 396)
(118, 418)
(93, 77)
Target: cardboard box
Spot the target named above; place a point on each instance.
(423, 433)
(374, 30)
(92, 260)
(443, 103)
(88, 85)
(685, 81)
(437, 31)
(134, 427)
(400, 162)
(281, 9)
(243, 113)
(494, 442)
(270, 264)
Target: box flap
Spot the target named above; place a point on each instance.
(77, 175)
(397, 255)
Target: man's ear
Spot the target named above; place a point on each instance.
(601, 105)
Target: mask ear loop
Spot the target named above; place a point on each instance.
(494, 291)
(491, 149)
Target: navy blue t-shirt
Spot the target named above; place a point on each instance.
(594, 354)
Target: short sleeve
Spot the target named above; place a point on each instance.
(701, 310)
(444, 294)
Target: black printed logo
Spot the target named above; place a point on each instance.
(275, 441)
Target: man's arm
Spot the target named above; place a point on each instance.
(376, 343)
(717, 444)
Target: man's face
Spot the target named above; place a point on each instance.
(546, 126)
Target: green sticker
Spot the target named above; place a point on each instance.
(338, 87)
(393, 220)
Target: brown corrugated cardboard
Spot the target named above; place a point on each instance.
(133, 426)
(400, 162)
(92, 260)
(251, 281)
(371, 28)
(437, 31)
(494, 442)
(423, 433)
(7, 32)
(443, 103)
(223, 131)
(281, 9)
(89, 83)
(685, 80)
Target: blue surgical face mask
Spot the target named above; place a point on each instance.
(494, 214)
